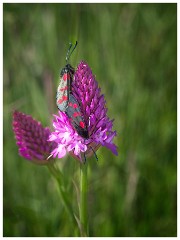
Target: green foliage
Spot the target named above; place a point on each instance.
(132, 50)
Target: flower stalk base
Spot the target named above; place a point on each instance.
(83, 199)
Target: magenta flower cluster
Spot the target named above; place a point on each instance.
(66, 137)
(32, 138)
(36, 142)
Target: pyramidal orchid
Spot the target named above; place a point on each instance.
(32, 138)
(88, 94)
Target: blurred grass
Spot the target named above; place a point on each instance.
(132, 50)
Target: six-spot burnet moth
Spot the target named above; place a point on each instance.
(64, 88)
(66, 102)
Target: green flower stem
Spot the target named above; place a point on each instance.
(83, 200)
(58, 177)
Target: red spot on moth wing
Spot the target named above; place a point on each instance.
(66, 76)
(64, 89)
(75, 105)
(64, 98)
(81, 124)
(76, 114)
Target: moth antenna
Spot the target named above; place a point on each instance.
(69, 53)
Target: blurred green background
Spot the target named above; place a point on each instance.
(132, 50)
